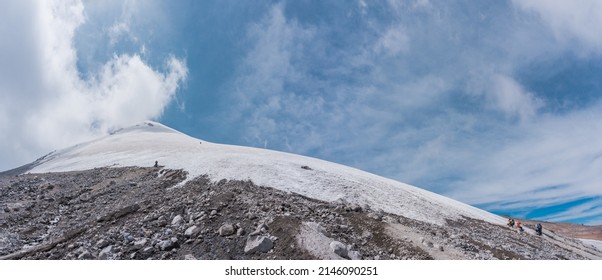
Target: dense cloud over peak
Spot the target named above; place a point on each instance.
(47, 103)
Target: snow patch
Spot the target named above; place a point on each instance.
(596, 244)
(145, 143)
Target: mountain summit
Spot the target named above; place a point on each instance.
(143, 144)
(149, 191)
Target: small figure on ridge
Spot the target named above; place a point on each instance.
(538, 229)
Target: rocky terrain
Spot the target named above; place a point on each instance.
(142, 213)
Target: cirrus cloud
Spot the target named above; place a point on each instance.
(430, 93)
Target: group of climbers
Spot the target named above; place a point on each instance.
(511, 223)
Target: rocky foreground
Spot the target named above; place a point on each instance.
(142, 213)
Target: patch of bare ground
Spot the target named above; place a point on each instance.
(286, 228)
(139, 213)
(374, 235)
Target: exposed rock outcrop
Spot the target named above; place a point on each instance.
(137, 213)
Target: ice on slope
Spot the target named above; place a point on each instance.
(143, 144)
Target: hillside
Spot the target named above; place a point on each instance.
(104, 199)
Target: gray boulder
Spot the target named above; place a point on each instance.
(106, 253)
(102, 243)
(226, 229)
(177, 220)
(147, 251)
(356, 208)
(140, 243)
(167, 245)
(339, 249)
(85, 255)
(354, 255)
(192, 231)
(161, 221)
(258, 243)
(261, 229)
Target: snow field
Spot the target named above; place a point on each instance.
(145, 143)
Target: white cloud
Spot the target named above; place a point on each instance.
(595, 221)
(538, 155)
(273, 63)
(505, 94)
(118, 30)
(585, 210)
(126, 81)
(394, 41)
(121, 27)
(422, 3)
(363, 6)
(577, 21)
(46, 104)
(512, 98)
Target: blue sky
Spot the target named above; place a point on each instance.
(494, 103)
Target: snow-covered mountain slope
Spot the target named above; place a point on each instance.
(145, 143)
(597, 244)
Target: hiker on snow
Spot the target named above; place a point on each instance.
(510, 222)
(538, 229)
(519, 227)
(156, 163)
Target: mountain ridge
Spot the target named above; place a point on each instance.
(106, 199)
(145, 143)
